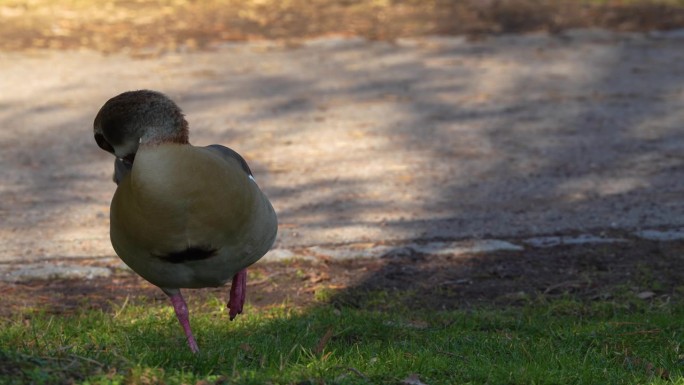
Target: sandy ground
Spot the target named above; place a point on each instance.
(375, 142)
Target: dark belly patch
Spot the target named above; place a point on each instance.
(188, 255)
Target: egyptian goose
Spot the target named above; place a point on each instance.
(182, 216)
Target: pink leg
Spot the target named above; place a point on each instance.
(238, 291)
(184, 318)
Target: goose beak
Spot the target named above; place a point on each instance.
(122, 166)
(128, 160)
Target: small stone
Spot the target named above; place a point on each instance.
(351, 252)
(657, 235)
(51, 271)
(646, 295)
(552, 241)
(466, 247)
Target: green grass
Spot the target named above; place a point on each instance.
(557, 342)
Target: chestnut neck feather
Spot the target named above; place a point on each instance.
(155, 137)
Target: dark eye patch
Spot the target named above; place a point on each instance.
(103, 144)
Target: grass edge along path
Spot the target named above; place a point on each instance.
(561, 341)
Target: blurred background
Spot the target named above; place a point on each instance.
(169, 24)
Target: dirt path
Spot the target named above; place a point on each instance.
(374, 142)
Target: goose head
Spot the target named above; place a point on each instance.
(138, 117)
